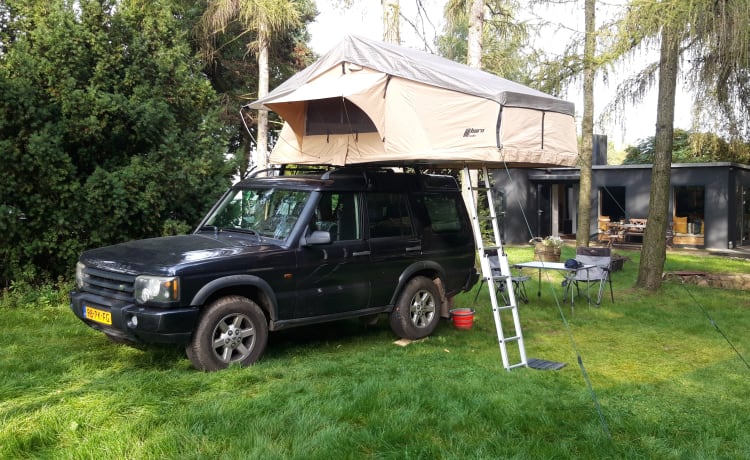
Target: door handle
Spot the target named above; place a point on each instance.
(414, 249)
(361, 253)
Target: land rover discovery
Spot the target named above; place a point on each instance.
(283, 251)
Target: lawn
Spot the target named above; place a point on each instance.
(667, 382)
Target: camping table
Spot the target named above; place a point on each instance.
(557, 266)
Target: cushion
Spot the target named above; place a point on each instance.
(680, 224)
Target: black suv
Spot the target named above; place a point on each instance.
(283, 251)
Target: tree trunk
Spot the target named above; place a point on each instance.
(654, 250)
(261, 158)
(391, 29)
(476, 25)
(587, 128)
(474, 60)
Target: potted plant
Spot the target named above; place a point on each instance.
(547, 249)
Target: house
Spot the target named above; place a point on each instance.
(709, 204)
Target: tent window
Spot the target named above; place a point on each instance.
(336, 116)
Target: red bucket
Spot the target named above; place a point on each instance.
(463, 318)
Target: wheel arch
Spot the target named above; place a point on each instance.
(252, 287)
(428, 269)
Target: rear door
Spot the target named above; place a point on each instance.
(394, 244)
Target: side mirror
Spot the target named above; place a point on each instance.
(317, 237)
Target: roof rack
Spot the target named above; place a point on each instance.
(285, 169)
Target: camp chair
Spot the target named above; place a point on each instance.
(601, 259)
(518, 282)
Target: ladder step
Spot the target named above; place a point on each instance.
(506, 307)
(514, 338)
(513, 366)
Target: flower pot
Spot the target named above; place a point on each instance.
(546, 253)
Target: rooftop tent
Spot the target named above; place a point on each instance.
(367, 101)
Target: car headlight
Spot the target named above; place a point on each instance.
(160, 289)
(79, 275)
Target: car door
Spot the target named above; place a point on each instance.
(331, 277)
(394, 244)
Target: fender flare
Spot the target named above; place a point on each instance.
(233, 281)
(409, 272)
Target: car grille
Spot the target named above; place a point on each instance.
(108, 284)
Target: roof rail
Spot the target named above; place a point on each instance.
(284, 169)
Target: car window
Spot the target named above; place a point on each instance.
(338, 214)
(443, 212)
(267, 212)
(388, 215)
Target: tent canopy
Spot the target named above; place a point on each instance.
(371, 102)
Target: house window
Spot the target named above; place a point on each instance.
(612, 203)
(689, 209)
(336, 116)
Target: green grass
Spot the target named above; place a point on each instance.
(668, 383)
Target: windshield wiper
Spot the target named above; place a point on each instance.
(248, 231)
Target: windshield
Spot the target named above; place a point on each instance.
(269, 213)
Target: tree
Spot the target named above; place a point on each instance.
(715, 34)
(476, 31)
(261, 20)
(107, 131)
(391, 29)
(654, 250)
(504, 39)
(587, 125)
(690, 147)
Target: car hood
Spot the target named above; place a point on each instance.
(169, 255)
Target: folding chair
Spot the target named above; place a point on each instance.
(601, 259)
(518, 282)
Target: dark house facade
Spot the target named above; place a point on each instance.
(709, 202)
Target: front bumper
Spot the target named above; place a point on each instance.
(151, 325)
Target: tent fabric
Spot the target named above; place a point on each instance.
(426, 110)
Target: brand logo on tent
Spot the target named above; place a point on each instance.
(472, 132)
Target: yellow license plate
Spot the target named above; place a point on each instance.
(100, 316)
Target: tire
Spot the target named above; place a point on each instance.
(417, 311)
(231, 330)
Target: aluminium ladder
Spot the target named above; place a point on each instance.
(504, 314)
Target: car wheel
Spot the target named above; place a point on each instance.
(231, 330)
(417, 311)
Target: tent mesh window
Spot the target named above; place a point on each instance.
(336, 116)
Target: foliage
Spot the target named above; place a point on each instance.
(505, 40)
(230, 45)
(107, 130)
(549, 241)
(689, 147)
(713, 36)
(714, 54)
(668, 384)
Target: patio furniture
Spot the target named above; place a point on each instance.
(604, 228)
(635, 228)
(518, 282)
(600, 261)
(568, 273)
(680, 224)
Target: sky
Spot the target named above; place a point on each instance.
(365, 18)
